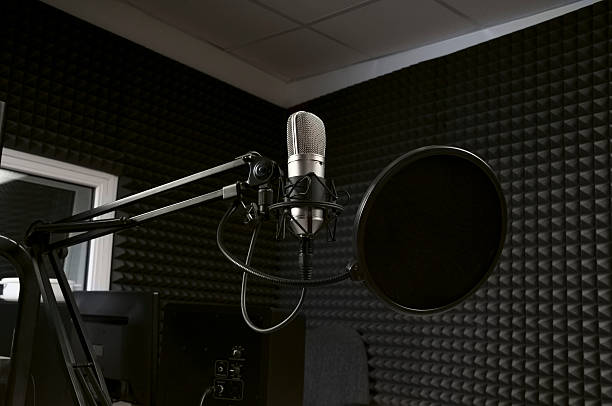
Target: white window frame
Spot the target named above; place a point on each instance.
(105, 191)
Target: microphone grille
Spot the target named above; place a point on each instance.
(305, 134)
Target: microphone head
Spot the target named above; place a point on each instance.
(305, 134)
(306, 156)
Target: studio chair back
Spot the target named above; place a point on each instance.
(335, 367)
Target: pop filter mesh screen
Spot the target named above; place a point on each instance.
(430, 231)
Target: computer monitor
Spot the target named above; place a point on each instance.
(49, 383)
(122, 328)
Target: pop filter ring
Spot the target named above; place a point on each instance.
(380, 181)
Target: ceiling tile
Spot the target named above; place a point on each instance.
(226, 24)
(503, 11)
(390, 26)
(298, 54)
(310, 10)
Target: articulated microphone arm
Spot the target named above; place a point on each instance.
(261, 171)
(33, 259)
(38, 253)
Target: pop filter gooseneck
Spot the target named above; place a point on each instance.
(430, 229)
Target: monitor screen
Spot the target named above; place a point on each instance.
(122, 328)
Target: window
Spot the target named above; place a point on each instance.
(67, 189)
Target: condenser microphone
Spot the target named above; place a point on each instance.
(306, 158)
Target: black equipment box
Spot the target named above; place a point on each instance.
(211, 346)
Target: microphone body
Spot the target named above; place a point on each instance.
(306, 158)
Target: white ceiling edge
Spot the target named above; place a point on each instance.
(126, 21)
(315, 86)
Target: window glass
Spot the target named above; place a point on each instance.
(26, 198)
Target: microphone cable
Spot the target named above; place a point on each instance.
(243, 291)
(205, 395)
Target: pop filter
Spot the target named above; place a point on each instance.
(430, 229)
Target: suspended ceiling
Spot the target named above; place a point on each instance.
(288, 52)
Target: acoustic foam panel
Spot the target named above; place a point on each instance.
(535, 106)
(79, 94)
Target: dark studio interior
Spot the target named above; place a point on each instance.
(533, 104)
